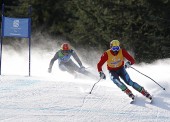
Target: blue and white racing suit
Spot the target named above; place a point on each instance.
(65, 62)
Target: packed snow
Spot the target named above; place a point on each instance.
(59, 97)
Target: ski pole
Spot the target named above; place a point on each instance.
(94, 85)
(148, 77)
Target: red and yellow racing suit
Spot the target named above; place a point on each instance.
(114, 62)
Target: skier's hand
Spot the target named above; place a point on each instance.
(49, 70)
(102, 75)
(127, 64)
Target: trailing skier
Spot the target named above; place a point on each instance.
(115, 65)
(65, 62)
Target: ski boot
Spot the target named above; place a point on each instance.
(129, 93)
(146, 94)
(132, 96)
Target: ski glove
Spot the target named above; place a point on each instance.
(127, 64)
(49, 70)
(102, 75)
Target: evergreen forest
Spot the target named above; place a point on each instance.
(142, 26)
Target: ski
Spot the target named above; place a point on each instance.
(147, 99)
(151, 100)
(133, 100)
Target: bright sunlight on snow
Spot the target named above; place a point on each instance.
(59, 97)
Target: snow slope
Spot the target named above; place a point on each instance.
(53, 98)
(58, 97)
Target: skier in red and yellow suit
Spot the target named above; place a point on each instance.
(115, 65)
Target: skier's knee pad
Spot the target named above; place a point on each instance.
(137, 87)
(134, 85)
(119, 84)
(128, 80)
(131, 83)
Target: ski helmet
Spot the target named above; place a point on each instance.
(65, 46)
(115, 45)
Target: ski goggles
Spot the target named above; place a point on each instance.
(115, 48)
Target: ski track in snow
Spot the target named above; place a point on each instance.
(38, 99)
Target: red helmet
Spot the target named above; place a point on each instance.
(65, 46)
